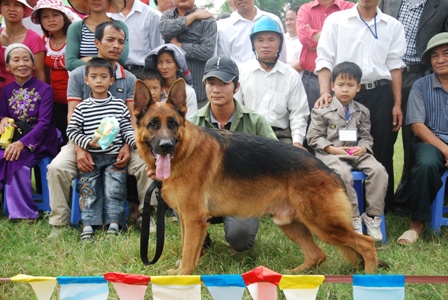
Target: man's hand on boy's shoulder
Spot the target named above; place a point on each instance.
(323, 101)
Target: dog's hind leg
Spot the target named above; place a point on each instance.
(336, 228)
(300, 234)
(350, 255)
(353, 245)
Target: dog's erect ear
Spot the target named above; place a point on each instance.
(178, 96)
(142, 99)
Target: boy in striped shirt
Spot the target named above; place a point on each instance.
(105, 186)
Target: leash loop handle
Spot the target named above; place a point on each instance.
(160, 231)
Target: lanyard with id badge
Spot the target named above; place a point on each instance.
(346, 134)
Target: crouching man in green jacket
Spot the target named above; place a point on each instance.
(224, 112)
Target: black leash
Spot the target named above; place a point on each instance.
(144, 237)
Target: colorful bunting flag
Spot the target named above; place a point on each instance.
(301, 287)
(373, 287)
(224, 287)
(176, 287)
(83, 288)
(43, 286)
(128, 286)
(262, 283)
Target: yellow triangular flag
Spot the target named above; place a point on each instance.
(42, 286)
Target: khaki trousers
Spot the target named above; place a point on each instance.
(375, 183)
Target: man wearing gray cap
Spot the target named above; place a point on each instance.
(427, 113)
(222, 111)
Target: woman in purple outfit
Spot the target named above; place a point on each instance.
(29, 100)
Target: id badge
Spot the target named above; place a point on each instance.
(348, 135)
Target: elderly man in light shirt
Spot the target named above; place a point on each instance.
(233, 32)
(144, 32)
(271, 88)
(375, 42)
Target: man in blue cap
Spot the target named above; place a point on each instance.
(271, 88)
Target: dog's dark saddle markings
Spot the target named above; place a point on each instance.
(206, 173)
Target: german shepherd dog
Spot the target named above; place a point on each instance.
(209, 173)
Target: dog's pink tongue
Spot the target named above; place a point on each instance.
(163, 166)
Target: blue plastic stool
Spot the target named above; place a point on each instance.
(42, 200)
(75, 216)
(438, 209)
(358, 178)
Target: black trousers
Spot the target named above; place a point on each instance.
(426, 179)
(380, 102)
(60, 112)
(401, 204)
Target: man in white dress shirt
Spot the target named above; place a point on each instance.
(293, 45)
(144, 32)
(375, 42)
(163, 5)
(233, 32)
(271, 88)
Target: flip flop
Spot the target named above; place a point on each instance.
(408, 237)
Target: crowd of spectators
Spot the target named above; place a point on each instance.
(282, 76)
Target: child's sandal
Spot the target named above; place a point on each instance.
(86, 236)
(112, 231)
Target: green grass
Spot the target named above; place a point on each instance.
(25, 249)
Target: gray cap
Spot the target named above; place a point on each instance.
(221, 67)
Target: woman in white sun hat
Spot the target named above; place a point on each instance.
(13, 11)
(54, 19)
(81, 34)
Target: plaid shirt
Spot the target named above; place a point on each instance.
(198, 41)
(409, 16)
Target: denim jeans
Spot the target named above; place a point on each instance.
(104, 187)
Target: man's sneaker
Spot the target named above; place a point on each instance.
(357, 224)
(152, 224)
(373, 227)
(56, 231)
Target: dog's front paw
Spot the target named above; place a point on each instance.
(178, 263)
(172, 272)
(175, 271)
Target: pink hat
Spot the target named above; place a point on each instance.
(53, 4)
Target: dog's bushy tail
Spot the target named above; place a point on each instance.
(350, 255)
